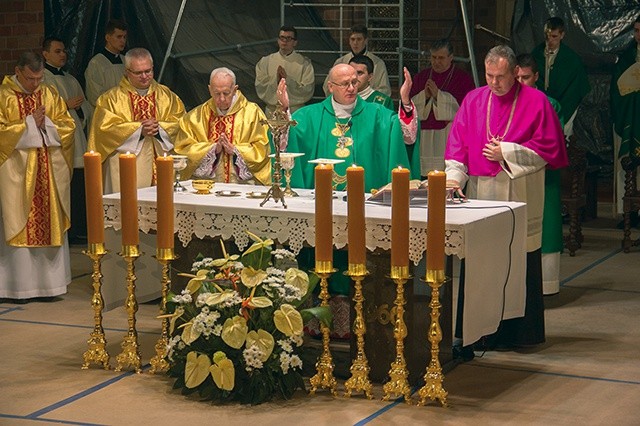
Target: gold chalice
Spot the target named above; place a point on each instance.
(288, 161)
(179, 164)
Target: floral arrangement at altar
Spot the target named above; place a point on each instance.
(236, 330)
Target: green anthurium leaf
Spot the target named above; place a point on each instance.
(322, 313)
(196, 369)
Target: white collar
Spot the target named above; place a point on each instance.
(343, 111)
(366, 92)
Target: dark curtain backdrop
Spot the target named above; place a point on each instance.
(205, 25)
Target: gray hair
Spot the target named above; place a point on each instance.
(223, 71)
(501, 52)
(33, 60)
(137, 53)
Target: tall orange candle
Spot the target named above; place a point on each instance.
(93, 190)
(324, 213)
(128, 200)
(436, 199)
(400, 217)
(164, 202)
(355, 215)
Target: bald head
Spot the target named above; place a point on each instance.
(343, 84)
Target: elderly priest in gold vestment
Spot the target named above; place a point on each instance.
(225, 138)
(139, 116)
(36, 160)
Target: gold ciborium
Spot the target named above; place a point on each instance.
(179, 164)
(202, 186)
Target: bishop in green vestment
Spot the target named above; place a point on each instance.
(345, 127)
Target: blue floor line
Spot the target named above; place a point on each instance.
(548, 373)
(74, 326)
(82, 394)
(383, 410)
(588, 268)
(64, 422)
(9, 310)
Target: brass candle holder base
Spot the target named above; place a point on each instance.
(97, 352)
(433, 378)
(159, 363)
(130, 355)
(359, 380)
(324, 378)
(398, 384)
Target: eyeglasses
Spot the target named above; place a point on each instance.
(346, 85)
(286, 38)
(139, 73)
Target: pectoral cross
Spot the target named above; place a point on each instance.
(279, 124)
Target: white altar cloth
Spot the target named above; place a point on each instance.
(490, 235)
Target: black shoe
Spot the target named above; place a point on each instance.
(463, 353)
(14, 301)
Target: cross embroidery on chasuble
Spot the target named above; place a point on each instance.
(38, 227)
(142, 108)
(218, 125)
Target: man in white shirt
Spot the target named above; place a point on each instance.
(296, 69)
(106, 68)
(55, 55)
(358, 39)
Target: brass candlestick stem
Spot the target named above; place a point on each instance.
(130, 355)
(159, 363)
(97, 352)
(359, 380)
(324, 376)
(398, 384)
(433, 378)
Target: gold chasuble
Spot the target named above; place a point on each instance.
(201, 127)
(35, 181)
(117, 120)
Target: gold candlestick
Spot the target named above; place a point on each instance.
(324, 376)
(130, 355)
(159, 363)
(433, 378)
(97, 352)
(398, 384)
(359, 380)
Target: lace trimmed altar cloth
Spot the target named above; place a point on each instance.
(489, 235)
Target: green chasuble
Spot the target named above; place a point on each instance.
(568, 82)
(377, 143)
(381, 98)
(552, 241)
(625, 110)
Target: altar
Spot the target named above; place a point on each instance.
(489, 235)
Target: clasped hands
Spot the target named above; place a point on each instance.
(38, 115)
(75, 102)
(431, 89)
(150, 127)
(223, 143)
(492, 151)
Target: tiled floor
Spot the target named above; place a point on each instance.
(588, 372)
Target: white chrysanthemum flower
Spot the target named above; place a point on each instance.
(295, 361)
(297, 339)
(285, 345)
(217, 330)
(285, 361)
(252, 356)
(205, 309)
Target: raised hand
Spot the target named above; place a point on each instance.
(282, 94)
(406, 87)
